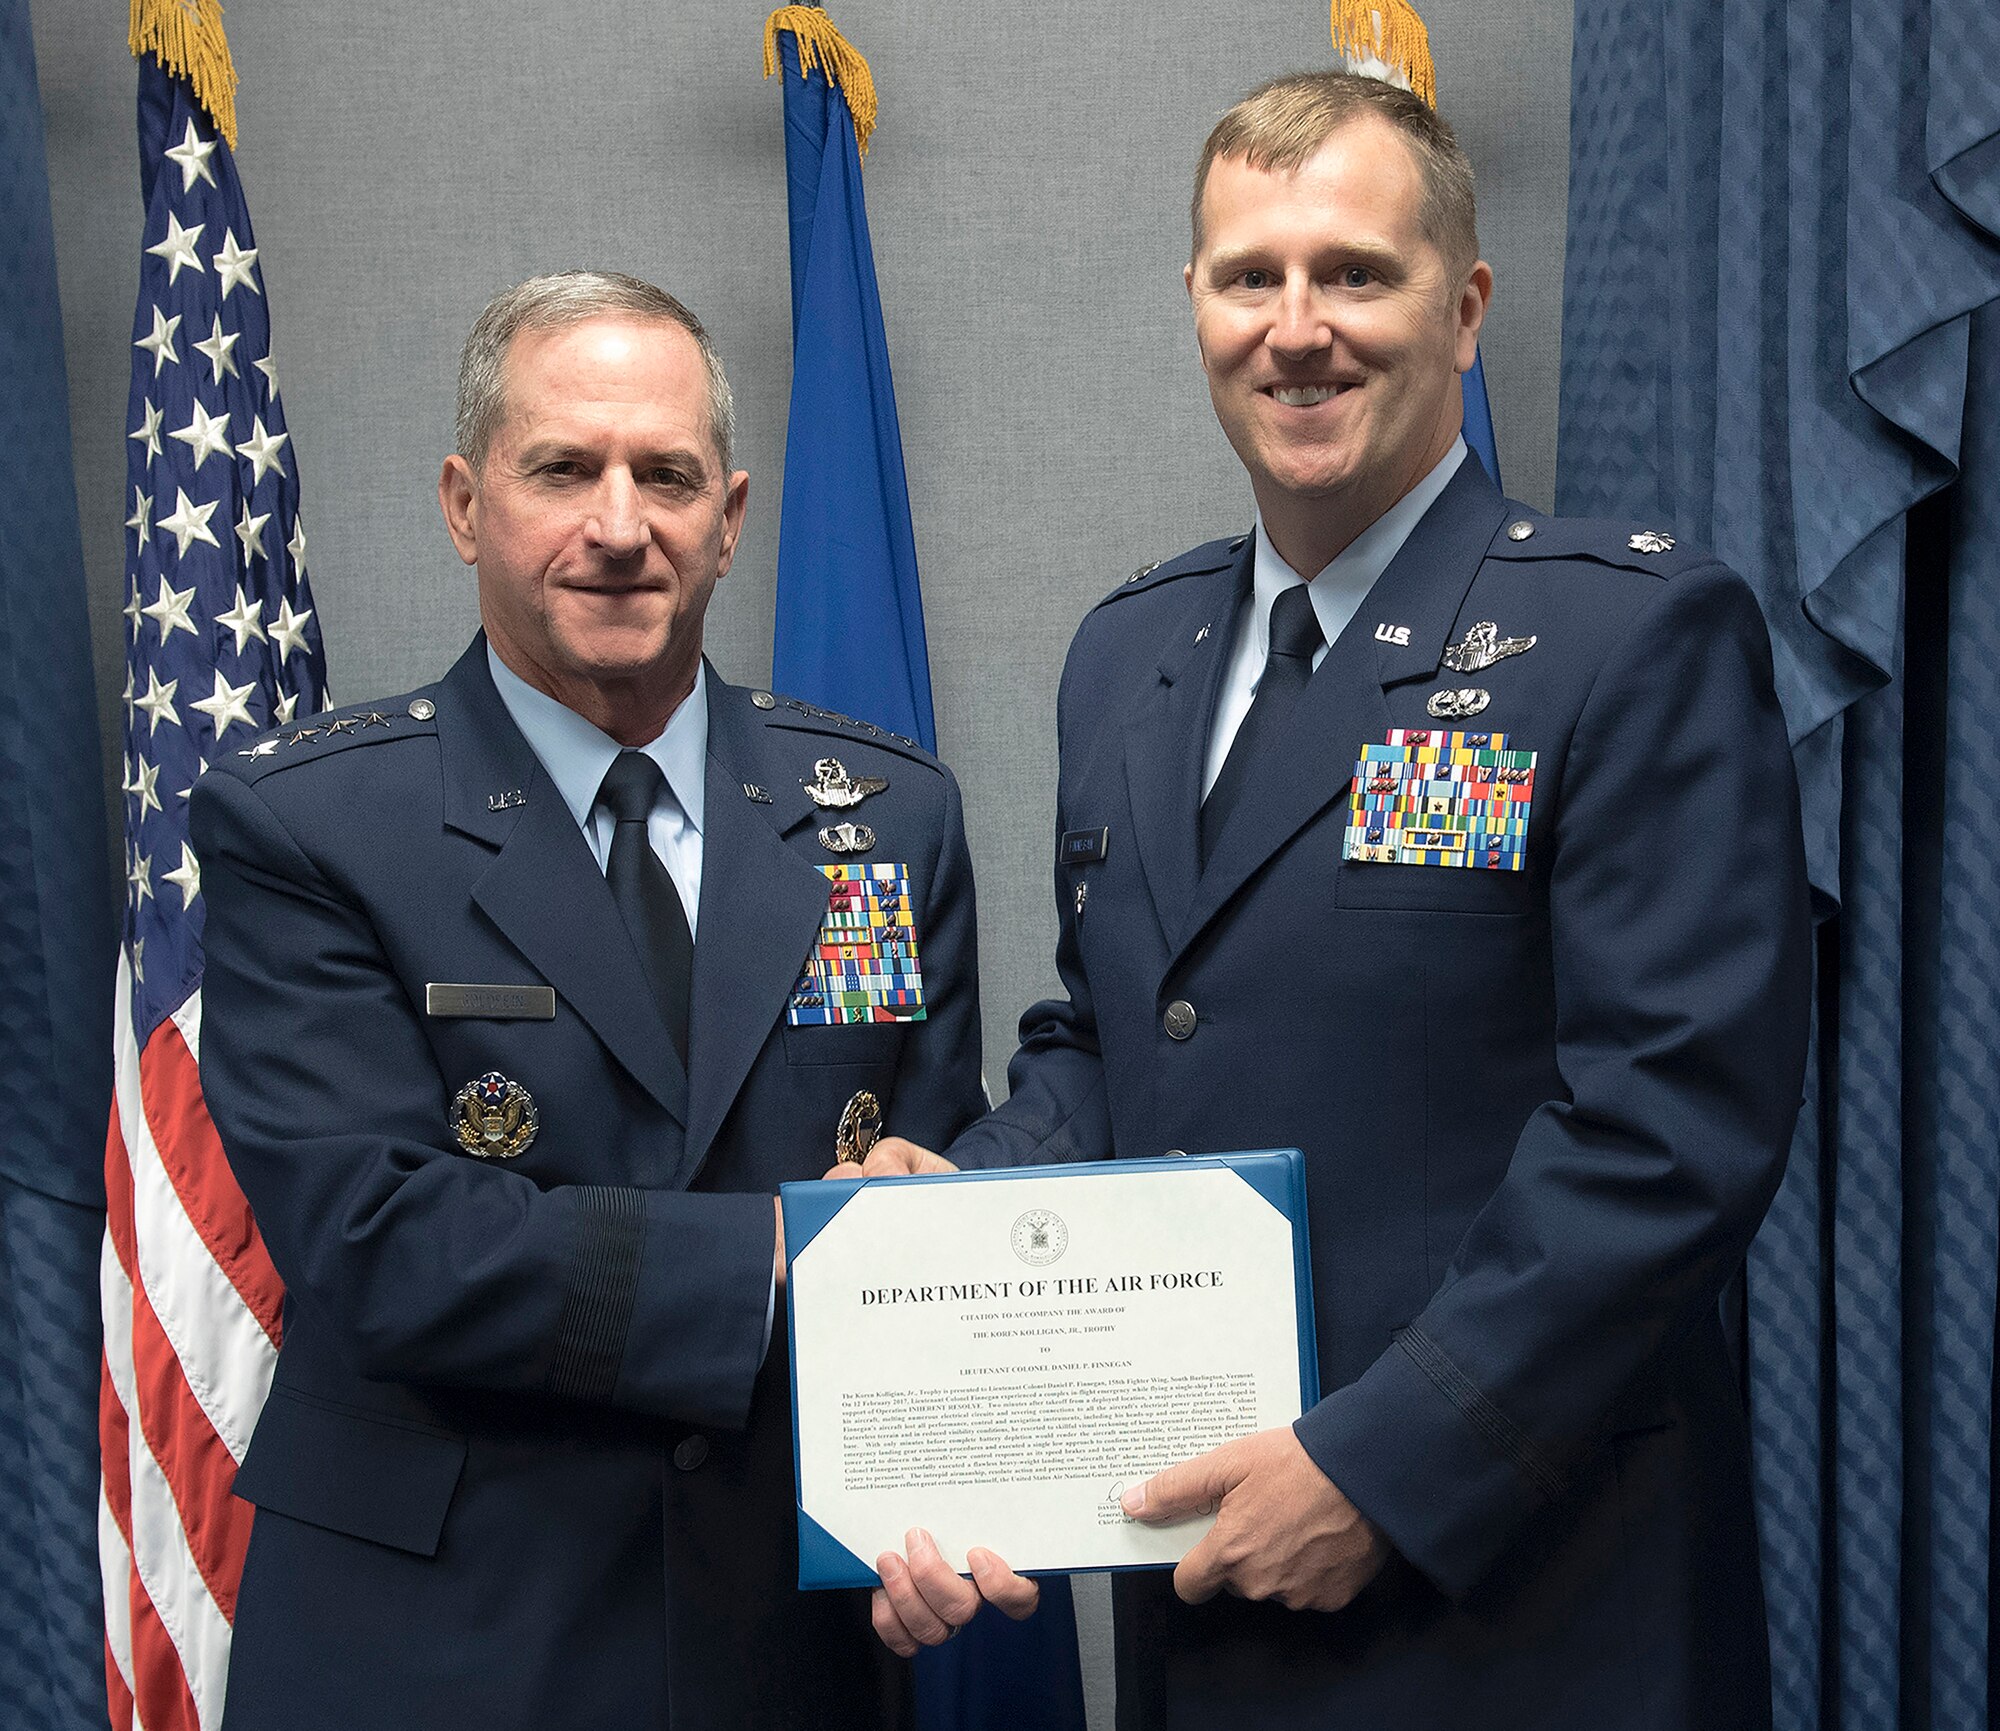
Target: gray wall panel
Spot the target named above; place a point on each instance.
(1027, 191)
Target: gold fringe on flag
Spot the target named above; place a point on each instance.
(1389, 32)
(822, 45)
(186, 37)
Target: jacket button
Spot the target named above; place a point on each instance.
(1176, 1154)
(690, 1452)
(1179, 1020)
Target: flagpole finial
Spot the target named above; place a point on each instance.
(1385, 39)
(822, 45)
(185, 37)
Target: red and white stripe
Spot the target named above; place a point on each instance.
(191, 1325)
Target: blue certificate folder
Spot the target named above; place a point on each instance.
(1276, 1174)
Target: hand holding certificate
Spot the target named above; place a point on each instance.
(998, 1357)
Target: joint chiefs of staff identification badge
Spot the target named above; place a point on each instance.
(495, 1118)
(831, 785)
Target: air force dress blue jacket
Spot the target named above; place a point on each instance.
(1531, 996)
(527, 1458)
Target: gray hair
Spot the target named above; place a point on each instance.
(550, 303)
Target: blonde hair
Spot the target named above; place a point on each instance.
(1281, 125)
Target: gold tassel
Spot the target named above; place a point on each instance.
(1389, 31)
(186, 37)
(822, 45)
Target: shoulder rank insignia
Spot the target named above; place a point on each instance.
(831, 785)
(495, 1118)
(1651, 541)
(1482, 647)
(847, 838)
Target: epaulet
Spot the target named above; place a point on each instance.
(782, 711)
(1209, 556)
(1529, 535)
(337, 730)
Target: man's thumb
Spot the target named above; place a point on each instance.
(1191, 1488)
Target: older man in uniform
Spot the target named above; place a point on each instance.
(524, 992)
(1459, 847)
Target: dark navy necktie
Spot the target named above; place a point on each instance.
(644, 889)
(1295, 640)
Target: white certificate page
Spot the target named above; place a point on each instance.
(996, 1358)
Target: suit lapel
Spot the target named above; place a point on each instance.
(1343, 707)
(543, 888)
(1166, 741)
(761, 906)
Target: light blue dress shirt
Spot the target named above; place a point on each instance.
(576, 756)
(1337, 593)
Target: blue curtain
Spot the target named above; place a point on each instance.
(55, 976)
(1782, 338)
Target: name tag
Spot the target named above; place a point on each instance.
(491, 1003)
(1083, 846)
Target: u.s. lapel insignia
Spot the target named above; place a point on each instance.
(495, 1119)
(859, 1128)
(847, 838)
(1457, 705)
(831, 785)
(512, 800)
(1482, 647)
(1651, 541)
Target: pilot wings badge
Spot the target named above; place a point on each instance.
(495, 1118)
(831, 785)
(1482, 647)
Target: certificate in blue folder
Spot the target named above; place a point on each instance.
(995, 1356)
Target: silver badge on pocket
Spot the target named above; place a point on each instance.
(847, 838)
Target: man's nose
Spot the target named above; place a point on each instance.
(619, 523)
(1299, 323)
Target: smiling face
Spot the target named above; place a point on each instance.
(1333, 333)
(600, 519)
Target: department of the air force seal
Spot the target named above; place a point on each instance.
(1039, 1237)
(495, 1118)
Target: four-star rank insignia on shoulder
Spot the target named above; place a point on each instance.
(495, 1119)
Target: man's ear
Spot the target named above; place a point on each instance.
(734, 502)
(458, 498)
(1473, 300)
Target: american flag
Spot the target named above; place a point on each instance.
(222, 643)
